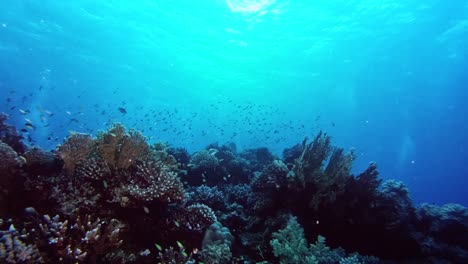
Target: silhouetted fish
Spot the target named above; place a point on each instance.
(122, 110)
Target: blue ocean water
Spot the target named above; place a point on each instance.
(387, 78)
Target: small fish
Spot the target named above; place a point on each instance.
(28, 120)
(176, 224)
(180, 245)
(30, 126)
(49, 113)
(122, 110)
(68, 112)
(158, 247)
(24, 112)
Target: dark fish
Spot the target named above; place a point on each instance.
(30, 126)
(122, 110)
(74, 120)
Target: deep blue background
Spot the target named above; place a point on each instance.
(388, 78)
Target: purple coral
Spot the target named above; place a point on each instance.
(14, 248)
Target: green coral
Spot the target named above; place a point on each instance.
(290, 246)
(323, 253)
(217, 253)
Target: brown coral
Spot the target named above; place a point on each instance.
(76, 148)
(120, 149)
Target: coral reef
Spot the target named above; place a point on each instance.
(441, 231)
(117, 199)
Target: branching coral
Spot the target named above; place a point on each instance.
(150, 182)
(211, 196)
(15, 249)
(173, 256)
(93, 168)
(290, 246)
(273, 177)
(196, 217)
(204, 160)
(82, 240)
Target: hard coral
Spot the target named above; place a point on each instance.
(196, 217)
(442, 231)
(273, 177)
(204, 160)
(120, 149)
(82, 240)
(14, 247)
(151, 181)
(74, 150)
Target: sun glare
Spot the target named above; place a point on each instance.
(248, 6)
